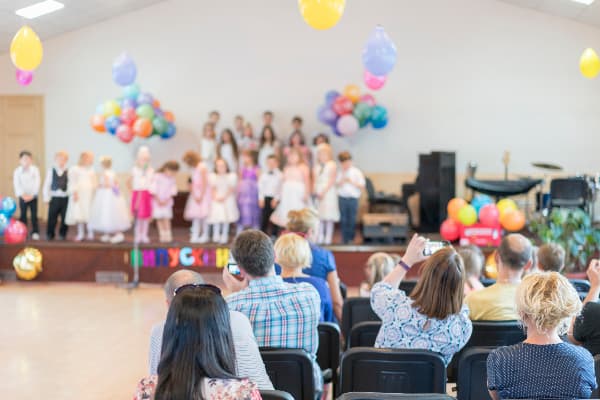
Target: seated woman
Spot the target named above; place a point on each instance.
(292, 253)
(433, 316)
(474, 261)
(543, 366)
(378, 266)
(197, 358)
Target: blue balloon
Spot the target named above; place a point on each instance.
(481, 200)
(170, 132)
(111, 124)
(4, 221)
(9, 206)
(379, 55)
(145, 98)
(132, 91)
(331, 96)
(124, 70)
(326, 115)
(380, 123)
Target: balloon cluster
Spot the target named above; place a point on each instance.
(589, 63)
(378, 57)
(26, 53)
(348, 112)
(503, 214)
(14, 231)
(28, 263)
(135, 113)
(321, 14)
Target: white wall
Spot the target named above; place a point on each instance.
(474, 76)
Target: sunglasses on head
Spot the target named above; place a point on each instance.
(208, 286)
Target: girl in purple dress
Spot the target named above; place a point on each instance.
(248, 192)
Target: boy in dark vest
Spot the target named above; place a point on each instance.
(55, 193)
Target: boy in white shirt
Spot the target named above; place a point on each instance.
(55, 193)
(269, 188)
(26, 180)
(350, 182)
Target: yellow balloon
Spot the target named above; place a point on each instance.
(111, 107)
(26, 50)
(352, 92)
(505, 205)
(589, 63)
(28, 263)
(322, 14)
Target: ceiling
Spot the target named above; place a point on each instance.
(76, 14)
(564, 8)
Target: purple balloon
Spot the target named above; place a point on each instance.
(331, 96)
(379, 54)
(24, 78)
(159, 112)
(145, 98)
(326, 115)
(124, 70)
(128, 103)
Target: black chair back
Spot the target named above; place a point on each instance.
(487, 282)
(407, 286)
(581, 285)
(392, 371)
(370, 189)
(290, 370)
(364, 334)
(472, 374)
(596, 393)
(568, 192)
(394, 396)
(275, 395)
(328, 353)
(356, 309)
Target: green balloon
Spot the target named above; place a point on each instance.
(145, 111)
(160, 125)
(362, 112)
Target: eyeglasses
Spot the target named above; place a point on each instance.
(208, 286)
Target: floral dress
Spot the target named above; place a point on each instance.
(212, 389)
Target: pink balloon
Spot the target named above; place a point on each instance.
(124, 133)
(489, 216)
(15, 232)
(24, 78)
(347, 125)
(373, 81)
(128, 115)
(367, 98)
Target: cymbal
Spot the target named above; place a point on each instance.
(542, 165)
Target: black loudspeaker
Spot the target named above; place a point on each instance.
(436, 184)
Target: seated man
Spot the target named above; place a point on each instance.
(586, 329)
(551, 257)
(497, 302)
(283, 315)
(249, 363)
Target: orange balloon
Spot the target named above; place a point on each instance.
(97, 122)
(512, 220)
(142, 127)
(168, 115)
(352, 92)
(491, 270)
(454, 207)
(156, 104)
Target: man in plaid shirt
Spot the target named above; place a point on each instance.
(282, 315)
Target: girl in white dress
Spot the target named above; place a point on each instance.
(208, 145)
(109, 214)
(163, 189)
(324, 177)
(295, 190)
(223, 207)
(268, 145)
(228, 150)
(82, 183)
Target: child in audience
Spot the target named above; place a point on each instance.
(350, 183)
(109, 214)
(378, 266)
(82, 183)
(248, 192)
(269, 145)
(247, 141)
(324, 177)
(164, 188)
(550, 257)
(297, 142)
(295, 188)
(198, 202)
(228, 150)
(55, 193)
(238, 128)
(474, 261)
(26, 180)
(208, 145)
(223, 210)
(141, 198)
(269, 190)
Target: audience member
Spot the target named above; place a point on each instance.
(198, 353)
(433, 316)
(378, 266)
(497, 302)
(474, 261)
(247, 356)
(551, 257)
(543, 366)
(586, 328)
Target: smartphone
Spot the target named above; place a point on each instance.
(433, 246)
(232, 266)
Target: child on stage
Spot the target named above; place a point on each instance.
(248, 192)
(223, 209)
(228, 150)
(198, 202)
(208, 145)
(247, 140)
(55, 193)
(109, 214)
(26, 180)
(350, 182)
(164, 188)
(324, 177)
(269, 190)
(141, 199)
(82, 183)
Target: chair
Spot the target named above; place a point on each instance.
(472, 374)
(290, 370)
(379, 201)
(394, 396)
(275, 395)
(364, 334)
(407, 286)
(356, 309)
(569, 193)
(328, 353)
(581, 285)
(487, 282)
(596, 393)
(343, 290)
(366, 369)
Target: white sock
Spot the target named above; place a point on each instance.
(216, 232)
(225, 234)
(205, 229)
(328, 232)
(80, 231)
(195, 230)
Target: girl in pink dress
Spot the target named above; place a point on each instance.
(248, 192)
(164, 188)
(198, 202)
(141, 199)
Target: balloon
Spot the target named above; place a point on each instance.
(169, 133)
(379, 124)
(379, 54)
(125, 133)
(331, 96)
(326, 115)
(142, 127)
(24, 78)
(15, 232)
(342, 105)
(9, 206)
(321, 14)
(489, 215)
(145, 111)
(512, 220)
(336, 132)
(128, 115)
(378, 117)
(362, 112)
(367, 98)
(505, 205)
(128, 102)
(4, 220)
(454, 206)
(450, 230)
(168, 115)
(347, 125)
(97, 123)
(111, 107)
(491, 269)
(160, 125)
(467, 215)
(373, 81)
(145, 98)
(28, 263)
(352, 92)
(132, 91)
(111, 124)
(26, 50)
(156, 103)
(481, 200)
(589, 63)
(124, 70)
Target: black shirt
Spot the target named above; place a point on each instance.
(587, 327)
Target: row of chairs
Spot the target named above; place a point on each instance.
(281, 395)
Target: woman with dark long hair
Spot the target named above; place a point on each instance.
(197, 358)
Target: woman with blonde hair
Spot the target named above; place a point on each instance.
(379, 265)
(543, 366)
(325, 191)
